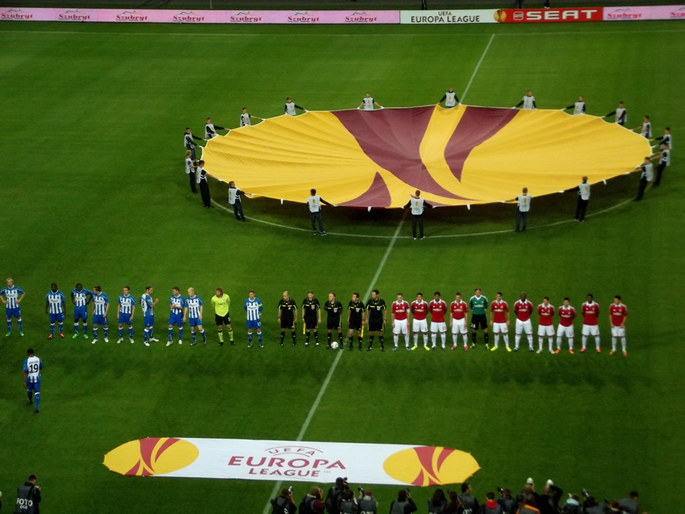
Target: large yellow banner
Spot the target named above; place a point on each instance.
(459, 156)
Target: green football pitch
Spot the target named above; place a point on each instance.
(94, 192)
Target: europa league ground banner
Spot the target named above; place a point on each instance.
(302, 461)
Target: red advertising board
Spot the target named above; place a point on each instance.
(558, 15)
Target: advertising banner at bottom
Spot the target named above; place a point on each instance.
(301, 461)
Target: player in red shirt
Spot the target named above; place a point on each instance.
(400, 313)
(500, 321)
(617, 319)
(459, 309)
(523, 308)
(590, 311)
(567, 313)
(438, 309)
(546, 324)
(419, 310)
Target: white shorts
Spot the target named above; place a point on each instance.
(590, 330)
(400, 326)
(618, 331)
(500, 328)
(459, 326)
(546, 330)
(419, 325)
(524, 326)
(565, 331)
(438, 326)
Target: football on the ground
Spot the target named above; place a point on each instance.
(335, 345)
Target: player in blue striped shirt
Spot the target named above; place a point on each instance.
(177, 316)
(100, 310)
(195, 307)
(253, 308)
(126, 308)
(32, 367)
(12, 296)
(80, 298)
(55, 303)
(147, 305)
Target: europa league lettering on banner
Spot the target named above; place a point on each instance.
(247, 459)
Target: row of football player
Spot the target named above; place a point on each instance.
(372, 315)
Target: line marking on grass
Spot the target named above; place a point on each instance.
(327, 380)
(444, 236)
(475, 71)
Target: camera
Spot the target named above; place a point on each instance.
(290, 489)
(585, 492)
(361, 490)
(500, 490)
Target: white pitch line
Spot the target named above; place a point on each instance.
(475, 71)
(324, 386)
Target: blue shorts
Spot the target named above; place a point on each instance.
(33, 386)
(176, 318)
(254, 324)
(124, 319)
(195, 322)
(80, 313)
(13, 312)
(99, 319)
(148, 321)
(57, 318)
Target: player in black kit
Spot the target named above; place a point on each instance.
(376, 313)
(355, 320)
(311, 317)
(333, 309)
(287, 313)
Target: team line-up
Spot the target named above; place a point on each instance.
(484, 314)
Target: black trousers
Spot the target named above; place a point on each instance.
(659, 170)
(204, 191)
(641, 188)
(581, 207)
(193, 180)
(417, 220)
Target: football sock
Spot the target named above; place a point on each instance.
(180, 333)
(282, 337)
(329, 336)
(517, 340)
(395, 339)
(624, 344)
(316, 336)
(249, 337)
(146, 334)
(95, 332)
(443, 338)
(37, 401)
(106, 330)
(76, 331)
(486, 337)
(221, 336)
(416, 339)
(597, 342)
(193, 336)
(381, 339)
(613, 344)
(294, 336)
(52, 329)
(570, 343)
(29, 395)
(307, 338)
(259, 338)
(496, 338)
(20, 324)
(61, 328)
(121, 331)
(130, 331)
(473, 338)
(583, 342)
(170, 334)
(230, 334)
(434, 338)
(9, 325)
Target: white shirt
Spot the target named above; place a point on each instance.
(528, 102)
(584, 191)
(314, 203)
(416, 206)
(450, 99)
(523, 202)
(367, 103)
(189, 166)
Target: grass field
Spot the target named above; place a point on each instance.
(94, 192)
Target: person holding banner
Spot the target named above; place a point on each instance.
(528, 102)
(450, 98)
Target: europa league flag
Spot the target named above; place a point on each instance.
(246, 459)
